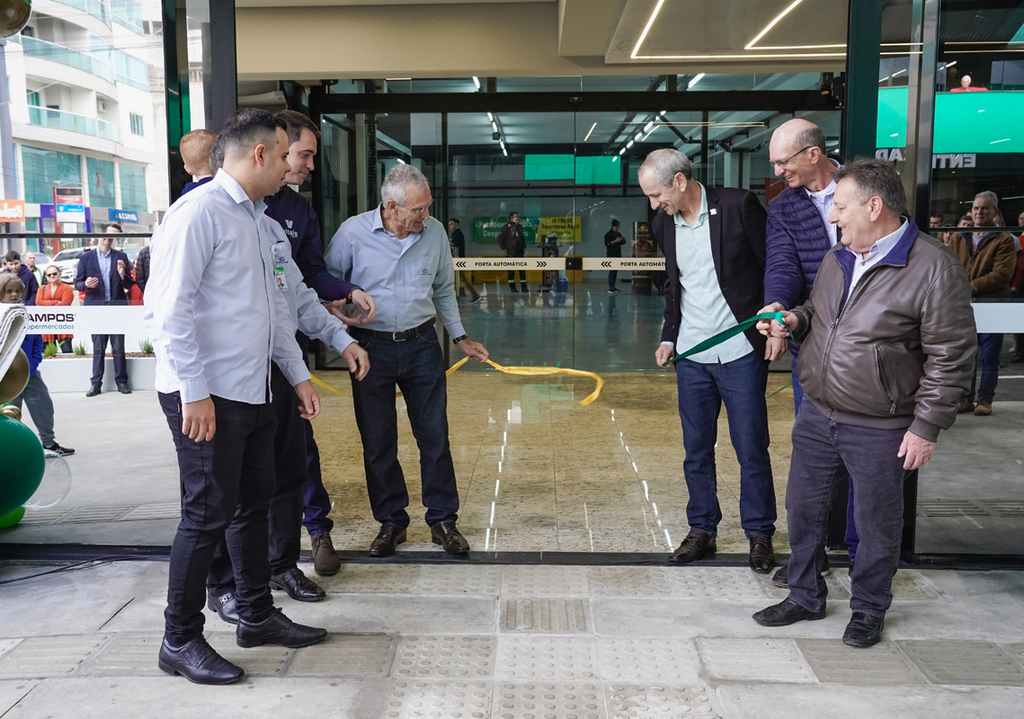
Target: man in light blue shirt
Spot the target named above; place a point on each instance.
(219, 321)
(400, 256)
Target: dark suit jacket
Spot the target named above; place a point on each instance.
(737, 223)
(89, 266)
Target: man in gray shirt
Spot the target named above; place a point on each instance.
(400, 256)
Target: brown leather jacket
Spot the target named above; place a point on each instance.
(900, 352)
(991, 266)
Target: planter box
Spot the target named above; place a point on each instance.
(72, 374)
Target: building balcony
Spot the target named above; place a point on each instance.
(99, 9)
(45, 117)
(66, 56)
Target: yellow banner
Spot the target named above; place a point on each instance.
(567, 227)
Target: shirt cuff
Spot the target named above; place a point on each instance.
(341, 340)
(924, 429)
(456, 330)
(295, 371)
(194, 390)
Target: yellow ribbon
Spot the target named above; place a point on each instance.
(526, 371)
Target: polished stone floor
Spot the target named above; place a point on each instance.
(519, 642)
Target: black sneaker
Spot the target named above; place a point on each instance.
(59, 451)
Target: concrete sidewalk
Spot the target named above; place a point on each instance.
(520, 642)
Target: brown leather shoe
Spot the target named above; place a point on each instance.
(389, 536)
(325, 559)
(966, 404)
(448, 536)
(762, 555)
(697, 545)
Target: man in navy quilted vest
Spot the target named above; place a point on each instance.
(798, 237)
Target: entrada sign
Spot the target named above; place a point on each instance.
(950, 161)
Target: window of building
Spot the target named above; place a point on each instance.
(133, 187)
(46, 168)
(136, 123)
(101, 182)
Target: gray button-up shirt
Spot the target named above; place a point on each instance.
(104, 262)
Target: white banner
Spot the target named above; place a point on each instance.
(508, 263)
(623, 263)
(999, 316)
(85, 320)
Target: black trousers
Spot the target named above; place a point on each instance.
(284, 516)
(227, 484)
(99, 348)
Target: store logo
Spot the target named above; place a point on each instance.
(12, 211)
(51, 317)
(289, 223)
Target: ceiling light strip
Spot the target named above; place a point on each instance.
(647, 29)
(772, 24)
(590, 133)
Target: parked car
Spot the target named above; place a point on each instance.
(67, 261)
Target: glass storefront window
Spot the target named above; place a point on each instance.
(101, 182)
(45, 168)
(133, 186)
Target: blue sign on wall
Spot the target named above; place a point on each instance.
(124, 216)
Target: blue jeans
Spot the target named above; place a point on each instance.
(612, 276)
(702, 390)
(852, 540)
(989, 347)
(823, 452)
(315, 500)
(40, 406)
(416, 367)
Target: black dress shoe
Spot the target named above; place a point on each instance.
(224, 605)
(762, 555)
(697, 545)
(389, 536)
(785, 613)
(278, 629)
(93, 391)
(298, 586)
(863, 630)
(199, 663)
(123, 388)
(448, 536)
(781, 578)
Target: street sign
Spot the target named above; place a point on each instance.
(68, 204)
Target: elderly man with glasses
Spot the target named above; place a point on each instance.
(400, 255)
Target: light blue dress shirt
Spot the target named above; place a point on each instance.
(104, 262)
(213, 308)
(823, 200)
(411, 280)
(877, 252)
(704, 309)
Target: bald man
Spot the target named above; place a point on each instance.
(798, 237)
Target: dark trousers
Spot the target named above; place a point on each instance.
(702, 390)
(612, 276)
(416, 366)
(851, 524)
(823, 451)
(227, 485)
(284, 517)
(40, 406)
(989, 347)
(99, 348)
(512, 276)
(315, 500)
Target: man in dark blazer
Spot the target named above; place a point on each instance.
(713, 240)
(105, 276)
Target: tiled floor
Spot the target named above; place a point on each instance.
(524, 641)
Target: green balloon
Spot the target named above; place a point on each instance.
(14, 15)
(23, 464)
(11, 518)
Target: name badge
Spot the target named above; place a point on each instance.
(714, 211)
(280, 252)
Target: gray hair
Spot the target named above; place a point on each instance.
(811, 137)
(990, 196)
(665, 164)
(398, 180)
(875, 178)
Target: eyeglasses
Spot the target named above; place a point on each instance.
(53, 274)
(417, 211)
(777, 164)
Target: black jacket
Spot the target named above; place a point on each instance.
(737, 224)
(89, 266)
(511, 240)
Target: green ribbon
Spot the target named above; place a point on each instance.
(728, 334)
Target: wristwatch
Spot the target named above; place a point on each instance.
(456, 340)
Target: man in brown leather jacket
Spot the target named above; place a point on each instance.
(888, 345)
(990, 258)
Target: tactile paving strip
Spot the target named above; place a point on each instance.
(1016, 651)
(465, 658)
(1003, 507)
(535, 580)
(551, 699)
(949, 508)
(439, 700)
(762, 660)
(372, 579)
(837, 591)
(546, 658)
(963, 662)
(627, 582)
(267, 660)
(128, 655)
(7, 645)
(712, 583)
(44, 516)
(97, 514)
(907, 585)
(164, 510)
(672, 661)
(448, 579)
(647, 701)
(835, 663)
(346, 656)
(552, 616)
(41, 657)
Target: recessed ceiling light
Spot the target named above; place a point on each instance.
(476, 81)
(694, 80)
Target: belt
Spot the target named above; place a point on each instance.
(402, 336)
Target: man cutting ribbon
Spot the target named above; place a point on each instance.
(713, 240)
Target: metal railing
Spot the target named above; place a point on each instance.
(66, 56)
(59, 119)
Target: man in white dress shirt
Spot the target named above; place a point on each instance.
(219, 320)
